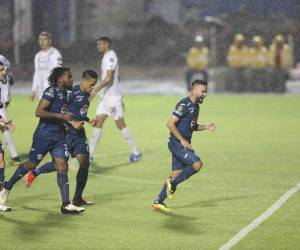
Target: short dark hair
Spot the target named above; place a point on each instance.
(1, 63)
(105, 39)
(47, 34)
(199, 82)
(90, 74)
(55, 74)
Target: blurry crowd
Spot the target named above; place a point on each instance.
(251, 68)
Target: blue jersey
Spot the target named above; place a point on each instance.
(187, 112)
(58, 104)
(78, 105)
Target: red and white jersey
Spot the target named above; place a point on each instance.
(44, 62)
(110, 62)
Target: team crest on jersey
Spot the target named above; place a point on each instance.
(39, 157)
(180, 108)
(84, 110)
(64, 108)
(50, 92)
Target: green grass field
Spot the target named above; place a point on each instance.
(249, 162)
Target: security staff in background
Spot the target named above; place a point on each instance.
(258, 63)
(281, 60)
(238, 60)
(197, 60)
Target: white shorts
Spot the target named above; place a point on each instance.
(3, 113)
(115, 109)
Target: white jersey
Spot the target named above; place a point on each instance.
(110, 62)
(4, 85)
(44, 62)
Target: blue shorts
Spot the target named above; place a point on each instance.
(181, 157)
(42, 143)
(77, 145)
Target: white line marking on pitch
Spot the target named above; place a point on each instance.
(246, 230)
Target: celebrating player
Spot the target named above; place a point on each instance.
(111, 103)
(49, 136)
(76, 137)
(44, 61)
(5, 85)
(182, 124)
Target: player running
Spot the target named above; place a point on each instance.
(3, 124)
(111, 103)
(49, 136)
(76, 138)
(5, 85)
(182, 124)
(44, 61)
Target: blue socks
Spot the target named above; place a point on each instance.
(19, 173)
(186, 173)
(81, 180)
(46, 168)
(162, 195)
(1, 176)
(62, 181)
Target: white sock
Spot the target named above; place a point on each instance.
(129, 138)
(10, 144)
(97, 132)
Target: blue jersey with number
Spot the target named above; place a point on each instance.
(78, 105)
(58, 104)
(187, 112)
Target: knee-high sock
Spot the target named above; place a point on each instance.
(46, 168)
(10, 144)
(97, 132)
(81, 180)
(186, 173)
(19, 173)
(2, 177)
(62, 181)
(162, 195)
(129, 138)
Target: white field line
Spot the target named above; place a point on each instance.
(265, 215)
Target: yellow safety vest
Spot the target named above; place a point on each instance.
(198, 58)
(258, 58)
(238, 57)
(286, 57)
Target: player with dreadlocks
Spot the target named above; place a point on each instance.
(49, 137)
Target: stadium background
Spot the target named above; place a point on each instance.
(150, 36)
(250, 161)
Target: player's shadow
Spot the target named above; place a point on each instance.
(101, 169)
(215, 202)
(181, 223)
(102, 198)
(34, 230)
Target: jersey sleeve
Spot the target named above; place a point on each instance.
(35, 81)
(111, 62)
(180, 110)
(56, 60)
(48, 94)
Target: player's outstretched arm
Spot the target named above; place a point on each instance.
(210, 126)
(42, 112)
(173, 129)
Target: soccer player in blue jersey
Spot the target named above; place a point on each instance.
(77, 143)
(182, 124)
(49, 136)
